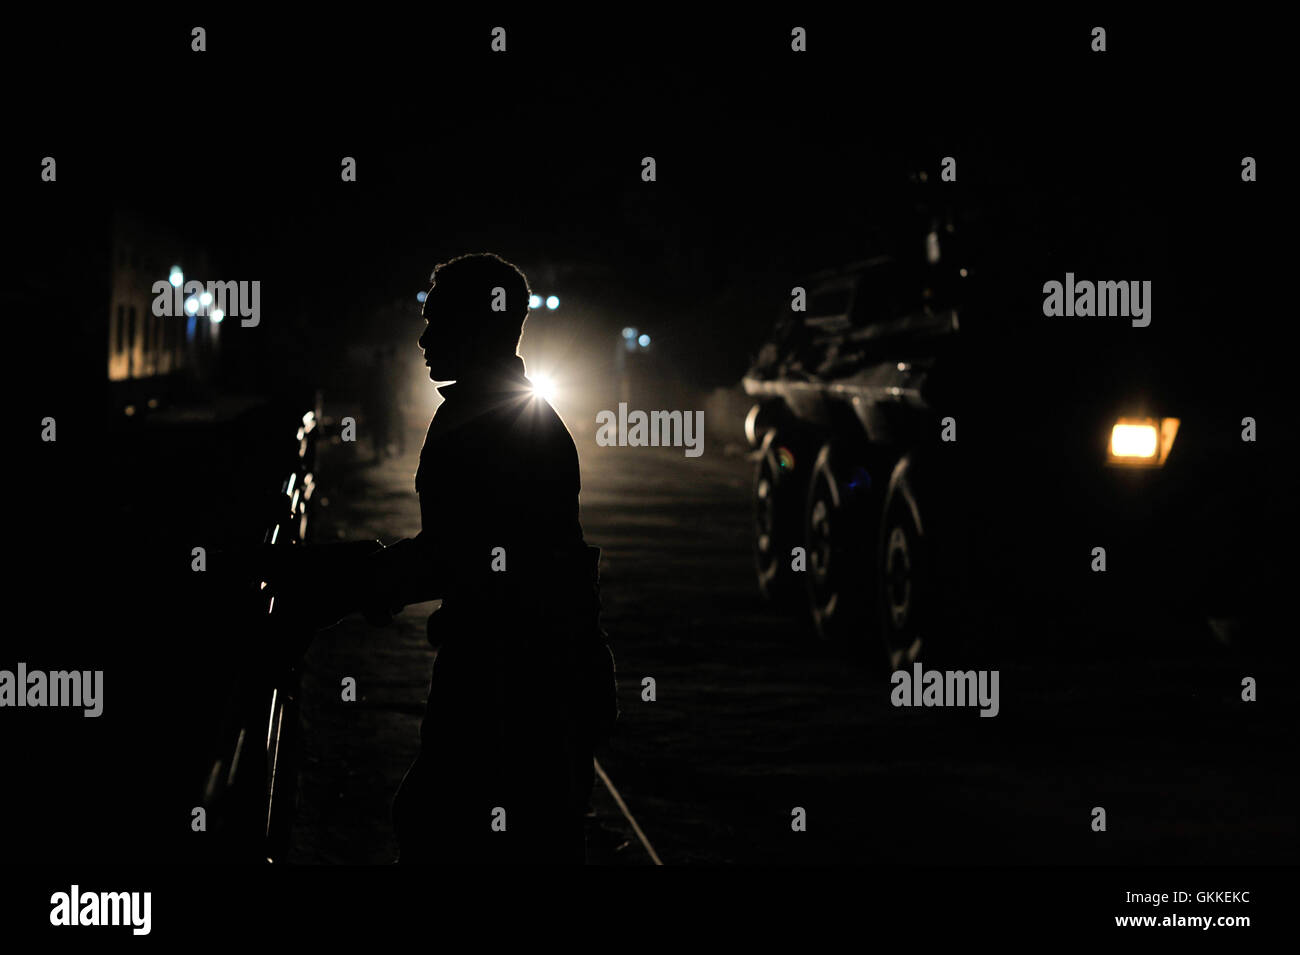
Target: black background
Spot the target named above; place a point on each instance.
(769, 165)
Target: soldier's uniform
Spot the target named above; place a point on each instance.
(523, 684)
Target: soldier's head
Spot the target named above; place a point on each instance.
(475, 309)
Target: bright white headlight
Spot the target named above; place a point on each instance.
(544, 386)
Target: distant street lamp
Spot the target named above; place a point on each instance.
(631, 341)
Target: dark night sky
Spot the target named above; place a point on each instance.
(769, 165)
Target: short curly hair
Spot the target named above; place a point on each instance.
(465, 287)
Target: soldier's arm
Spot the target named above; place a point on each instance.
(406, 572)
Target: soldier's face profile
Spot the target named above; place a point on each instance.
(443, 341)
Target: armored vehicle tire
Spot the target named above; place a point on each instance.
(907, 591)
(778, 497)
(836, 541)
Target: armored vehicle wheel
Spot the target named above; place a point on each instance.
(778, 494)
(906, 584)
(836, 539)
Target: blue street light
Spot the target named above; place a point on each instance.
(644, 341)
(629, 333)
(552, 302)
(176, 276)
(421, 296)
(534, 301)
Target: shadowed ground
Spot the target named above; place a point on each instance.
(753, 718)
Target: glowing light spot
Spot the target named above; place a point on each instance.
(176, 276)
(544, 386)
(552, 302)
(1133, 441)
(191, 305)
(534, 301)
(644, 341)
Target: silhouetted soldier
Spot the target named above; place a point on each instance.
(523, 684)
